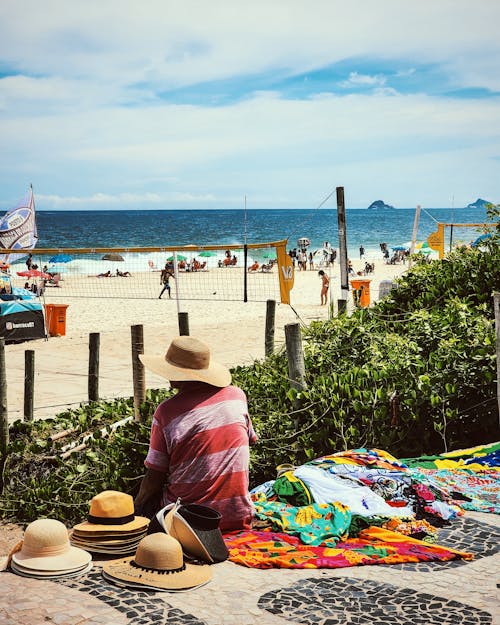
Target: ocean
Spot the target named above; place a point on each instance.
(161, 228)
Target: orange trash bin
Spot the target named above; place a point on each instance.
(361, 291)
(55, 315)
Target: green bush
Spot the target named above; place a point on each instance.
(431, 342)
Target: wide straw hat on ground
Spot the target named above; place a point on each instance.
(46, 547)
(158, 564)
(188, 359)
(112, 512)
(196, 527)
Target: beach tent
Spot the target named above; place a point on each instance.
(21, 314)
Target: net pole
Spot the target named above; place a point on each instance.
(177, 289)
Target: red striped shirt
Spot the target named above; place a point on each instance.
(200, 438)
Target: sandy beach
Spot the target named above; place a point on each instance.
(234, 330)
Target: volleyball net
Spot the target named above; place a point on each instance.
(253, 272)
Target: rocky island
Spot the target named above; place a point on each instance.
(479, 203)
(380, 204)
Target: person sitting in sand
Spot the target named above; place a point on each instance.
(234, 260)
(325, 284)
(182, 264)
(254, 267)
(123, 274)
(200, 438)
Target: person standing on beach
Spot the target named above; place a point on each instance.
(325, 284)
(29, 261)
(361, 252)
(200, 437)
(166, 274)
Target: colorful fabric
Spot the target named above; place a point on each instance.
(374, 545)
(291, 490)
(200, 439)
(467, 489)
(479, 458)
(373, 458)
(327, 487)
(315, 524)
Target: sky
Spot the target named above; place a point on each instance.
(185, 104)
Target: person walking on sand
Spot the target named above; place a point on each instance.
(325, 283)
(200, 437)
(166, 274)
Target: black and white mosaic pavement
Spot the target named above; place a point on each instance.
(480, 539)
(346, 601)
(140, 607)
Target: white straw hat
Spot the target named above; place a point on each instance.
(46, 547)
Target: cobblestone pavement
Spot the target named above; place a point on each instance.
(455, 593)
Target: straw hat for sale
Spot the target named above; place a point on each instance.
(196, 527)
(158, 564)
(45, 551)
(112, 512)
(188, 359)
(111, 527)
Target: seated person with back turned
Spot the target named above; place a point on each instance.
(200, 437)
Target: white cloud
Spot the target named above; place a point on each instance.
(84, 120)
(356, 79)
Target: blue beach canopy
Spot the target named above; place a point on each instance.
(60, 258)
(480, 239)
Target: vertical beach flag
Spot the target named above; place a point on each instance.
(18, 228)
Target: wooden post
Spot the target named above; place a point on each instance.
(29, 383)
(344, 278)
(4, 418)
(496, 306)
(341, 306)
(245, 273)
(183, 323)
(138, 375)
(270, 319)
(93, 383)
(296, 366)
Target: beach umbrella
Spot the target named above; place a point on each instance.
(422, 245)
(179, 257)
(207, 254)
(112, 256)
(399, 248)
(480, 239)
(33, 273)
(60, 258)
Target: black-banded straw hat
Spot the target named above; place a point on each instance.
(112, 512)
(188, 359)
(158, 564)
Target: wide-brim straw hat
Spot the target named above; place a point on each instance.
(157, 564)
(196, 527)
(188, 359)
(63, 574)
(46, 547)
(112, 512)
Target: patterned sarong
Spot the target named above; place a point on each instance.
(374, 545)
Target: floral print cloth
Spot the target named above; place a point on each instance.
(265, 550)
